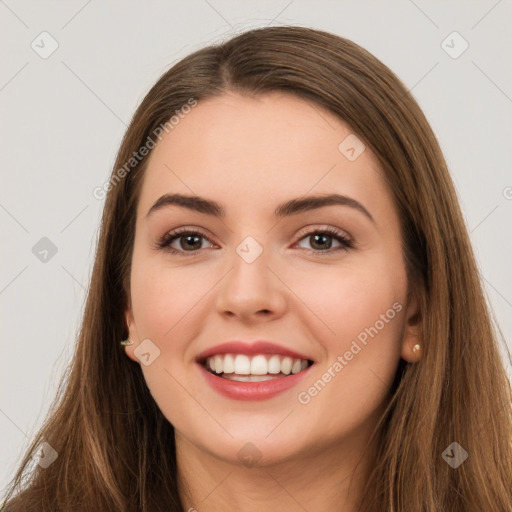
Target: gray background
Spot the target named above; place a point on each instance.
(62, 119)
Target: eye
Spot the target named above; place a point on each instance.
(189, 242)
(321, 241)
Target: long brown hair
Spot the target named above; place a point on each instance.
(115, 448)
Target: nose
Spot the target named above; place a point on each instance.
(252, 292)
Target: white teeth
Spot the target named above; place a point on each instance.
(286, 365)
(218, 364)
(260, 365)
(248, 378)
(296, 366)
(274, 365)
(229, 364)
(242, 364)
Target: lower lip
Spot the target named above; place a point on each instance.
(264, 390)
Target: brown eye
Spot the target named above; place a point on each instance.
(186, 242)
(190, 242)
(321, 241)
(181, 242)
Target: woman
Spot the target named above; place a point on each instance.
(285, 310)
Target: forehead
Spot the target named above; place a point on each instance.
(261, 150)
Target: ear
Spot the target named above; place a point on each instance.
(132, 333)
(412, 330)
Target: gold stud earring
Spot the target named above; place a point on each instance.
(126, 342)
(416, 348)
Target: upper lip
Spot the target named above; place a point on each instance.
(256, 347)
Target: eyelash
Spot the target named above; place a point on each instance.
(167, 239)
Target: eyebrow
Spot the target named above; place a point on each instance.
(291, 207)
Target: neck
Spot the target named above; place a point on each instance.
(323, 479)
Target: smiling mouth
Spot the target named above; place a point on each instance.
(257, 368)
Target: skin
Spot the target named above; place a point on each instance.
(251, 154)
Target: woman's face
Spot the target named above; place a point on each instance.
(264, 272)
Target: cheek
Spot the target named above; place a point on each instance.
(164, 296)
(363, 307)
(165, 301)
(351, 297)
